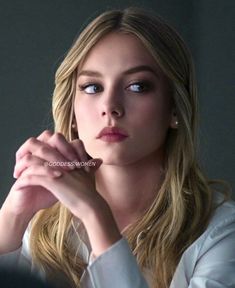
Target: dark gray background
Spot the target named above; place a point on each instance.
(34, 36)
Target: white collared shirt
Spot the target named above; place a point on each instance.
(209, 262)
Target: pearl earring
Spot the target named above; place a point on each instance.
(176, 122)
(74, 126)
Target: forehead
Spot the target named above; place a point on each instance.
(118, 50)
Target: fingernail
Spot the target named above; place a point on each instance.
(57, 173)
(71, 167)
(15, 174)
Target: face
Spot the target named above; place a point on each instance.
(120, 85)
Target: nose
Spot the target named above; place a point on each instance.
(115, 111)
(113, 105)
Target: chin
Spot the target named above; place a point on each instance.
(120, 156)
(118, 159)
(112, 157)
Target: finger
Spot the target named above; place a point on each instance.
(43, 151)
(58, 141)
(81, 152)
(25, 162)
(41, 170)
(30, 180)
(27, 147)
(54, 186)
(45, 136)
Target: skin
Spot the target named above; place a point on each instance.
(131, 169)
(107, 197)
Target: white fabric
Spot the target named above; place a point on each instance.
(208, 263)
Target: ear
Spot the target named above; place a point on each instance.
(174, 123)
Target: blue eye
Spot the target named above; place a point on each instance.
(139, 87)
(90, 88)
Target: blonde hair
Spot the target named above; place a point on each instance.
(184, 203)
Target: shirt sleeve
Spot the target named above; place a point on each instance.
(215, 267)
(10, 259)
(116, 267)
(20, 258)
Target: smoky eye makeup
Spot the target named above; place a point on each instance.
(137, 86)
(90, 88)
(140, 86)
(130, 83)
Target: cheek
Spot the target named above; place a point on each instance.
(151, 124)
(152, 115)
(82, 113)
(85, 116)
(82, 107)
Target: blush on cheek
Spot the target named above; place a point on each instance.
(150, 114)
(155, 123)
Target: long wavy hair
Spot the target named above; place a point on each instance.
(183, 205)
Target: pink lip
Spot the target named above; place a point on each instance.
(112, 134)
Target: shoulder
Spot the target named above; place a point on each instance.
(221, 229)
(221, 225)
(223, 213)
(211, 257)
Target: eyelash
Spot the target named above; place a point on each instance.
(146, 84)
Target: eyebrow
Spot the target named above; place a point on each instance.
(133, 70)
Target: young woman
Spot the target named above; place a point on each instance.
(115, 196)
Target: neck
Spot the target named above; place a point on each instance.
(130, 189)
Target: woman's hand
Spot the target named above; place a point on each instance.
(35, 156)
(76, 190)
(39, 186)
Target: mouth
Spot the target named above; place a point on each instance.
(112, 134)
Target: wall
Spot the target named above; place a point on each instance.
(36, 34)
